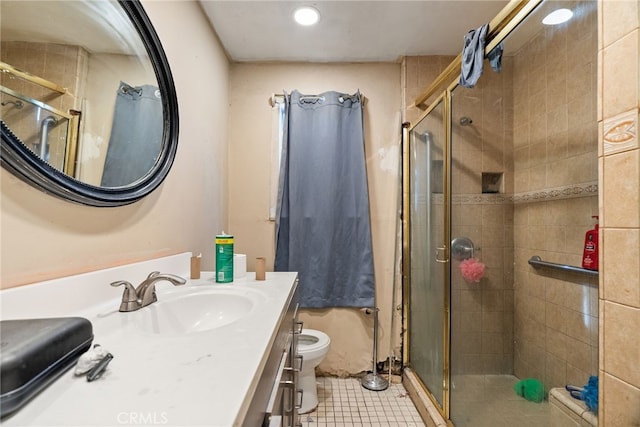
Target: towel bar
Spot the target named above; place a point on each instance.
(536, 262)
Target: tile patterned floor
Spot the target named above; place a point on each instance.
(344, 402)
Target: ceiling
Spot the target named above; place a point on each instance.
(97, 26)
(348, 30)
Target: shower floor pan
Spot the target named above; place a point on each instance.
(489, 400)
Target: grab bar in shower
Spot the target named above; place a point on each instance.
(536, 262)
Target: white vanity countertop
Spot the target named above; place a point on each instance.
(201, 378)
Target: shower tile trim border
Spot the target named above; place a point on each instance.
(573, 191)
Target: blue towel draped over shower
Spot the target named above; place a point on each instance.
(323, 228)
(473, 56)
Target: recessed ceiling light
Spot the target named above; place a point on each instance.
(306, 15)
(557, 17)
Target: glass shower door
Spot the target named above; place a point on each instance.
(428, 317)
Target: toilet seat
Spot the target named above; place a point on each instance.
(310, 340)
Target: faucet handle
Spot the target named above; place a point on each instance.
(174, 279)
(146, 291)
(153, 274)
(130, 301)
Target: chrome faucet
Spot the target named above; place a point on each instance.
(135, 298)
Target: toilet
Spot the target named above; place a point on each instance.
(312, 346)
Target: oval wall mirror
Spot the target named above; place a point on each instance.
(88, 106)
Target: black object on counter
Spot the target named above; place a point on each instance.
(34, 352)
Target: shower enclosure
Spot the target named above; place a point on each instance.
(44, 130)
(501, 173)
(36, 111)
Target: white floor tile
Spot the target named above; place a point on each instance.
(344, 402)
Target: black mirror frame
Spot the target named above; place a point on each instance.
(26, 165)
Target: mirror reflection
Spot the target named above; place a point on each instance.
(78, 89)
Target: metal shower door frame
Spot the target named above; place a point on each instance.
(443, 256)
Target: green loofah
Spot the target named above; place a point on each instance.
(531, 389)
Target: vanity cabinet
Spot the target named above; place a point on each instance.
(288, 384)
(239, 374)
(277, 397)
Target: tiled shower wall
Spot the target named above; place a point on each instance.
(482, 313)
(555, 196)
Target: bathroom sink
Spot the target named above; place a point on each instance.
(195, 311)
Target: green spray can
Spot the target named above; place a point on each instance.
(224, 258)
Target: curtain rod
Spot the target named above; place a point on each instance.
(276, 98)
(125, 88)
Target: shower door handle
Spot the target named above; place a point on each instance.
(441, 254)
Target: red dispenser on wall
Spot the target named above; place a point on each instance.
(590, 254)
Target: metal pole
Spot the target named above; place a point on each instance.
(373, 381)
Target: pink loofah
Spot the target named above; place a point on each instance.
(472, 270)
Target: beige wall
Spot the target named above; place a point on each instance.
(250, 127)
(44, 237)
(619, 166)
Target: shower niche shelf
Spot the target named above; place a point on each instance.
(491, 182)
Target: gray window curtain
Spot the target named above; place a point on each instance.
(136, 135)
(323, 227)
